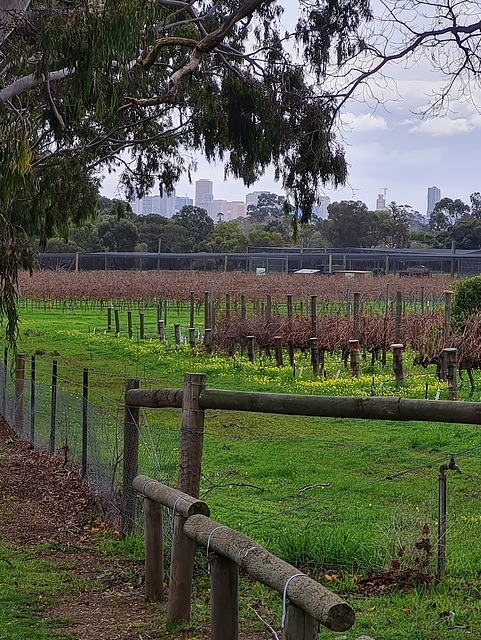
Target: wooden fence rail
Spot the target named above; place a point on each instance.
(311, 603)
(365, 407)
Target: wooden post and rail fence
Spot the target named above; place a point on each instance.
(195, 526)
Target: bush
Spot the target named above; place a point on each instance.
(467, 299)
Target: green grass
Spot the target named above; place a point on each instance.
(28, 587)
(257, 468)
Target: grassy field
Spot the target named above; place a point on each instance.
(312, 490)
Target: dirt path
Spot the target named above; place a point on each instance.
(44, 502)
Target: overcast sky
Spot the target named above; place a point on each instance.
(387, 146)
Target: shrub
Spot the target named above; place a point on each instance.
(467, 299)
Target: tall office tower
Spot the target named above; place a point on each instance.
(434, 196)
(203, 188)
(320, 210)
(381, 203)
(167, 204)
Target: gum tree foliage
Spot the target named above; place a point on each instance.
(83, 83)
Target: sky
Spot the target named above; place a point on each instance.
(389, 148)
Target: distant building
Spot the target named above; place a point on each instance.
(167, 205)
(434, 196)
(204, 195)
(150, 204)
(160, 205)
(220, 210)
(237, 210)
(253, 198)
(320, 210)
(381, 203)
(183, 202)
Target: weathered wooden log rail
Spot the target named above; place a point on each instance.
(311, 603)
(365, 407)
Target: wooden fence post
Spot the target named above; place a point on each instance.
(192, 338)
(397, 362)
(299, 625)
(452, 377)
(154, 551)
(130, 463)
(53, 409)
(208, 340)
(190, 461)
(142, 326)
(19, 394)
(250, 348)
(354, 352)
(224, 596)
(109, 318)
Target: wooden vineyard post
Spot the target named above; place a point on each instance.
(130, 464)
(192, 307)
(448, 295)
(278, 345)
(269, 308)
(243, 307)
(161, 331)
(190, 460)
(422, 299)
(398, 317)
(19, 389)
(177, 333)
(313, 313)
(53, 409)
(142, 326)
(109, 318)
(314, 356)
(452, 377)
(224, 590)
(299, 625)
(117, 321)
(129, 324)
(397, 362)
(250, 348)
(192, 338)
(154, 552)
(206, 311)
(357, 297)
(354, 352)
(208, 340)
(227, 306)
(290, 344)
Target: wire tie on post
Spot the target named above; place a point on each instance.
(221, 526)
(145, 484)
(284, 597)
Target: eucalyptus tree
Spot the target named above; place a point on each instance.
(89, 86)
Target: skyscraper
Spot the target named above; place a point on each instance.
(434, 196)
(204, 195)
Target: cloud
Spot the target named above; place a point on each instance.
(363, 122)
(444, 126)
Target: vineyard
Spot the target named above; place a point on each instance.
(315, 314)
